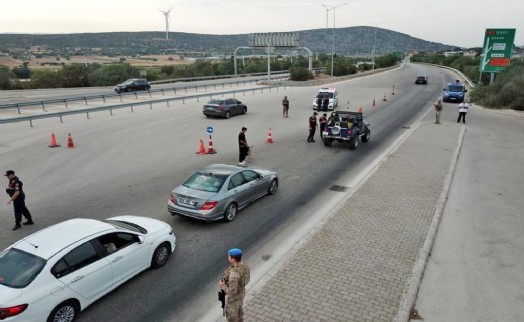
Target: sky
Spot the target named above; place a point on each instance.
(460, 23)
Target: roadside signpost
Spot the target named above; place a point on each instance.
(496, 52)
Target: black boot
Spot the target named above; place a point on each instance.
(29, 222)
(17, 226)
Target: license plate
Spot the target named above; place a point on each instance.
(187, 202)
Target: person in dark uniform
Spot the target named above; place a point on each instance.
(319, 101)
(323, 120)
(17, 197)
(242, 147)
(325, 102)
(312, 127)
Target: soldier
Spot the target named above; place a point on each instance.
(17, 197)
(325, 102)
(233, 283)
(438, 110)
(285, 107)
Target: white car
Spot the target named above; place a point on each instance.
(58, 271)
(331, 93)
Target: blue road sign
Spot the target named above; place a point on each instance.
(209, 129)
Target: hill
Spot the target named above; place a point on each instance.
(348, 41)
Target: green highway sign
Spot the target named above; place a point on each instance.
(496, 52)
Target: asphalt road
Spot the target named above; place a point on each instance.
(128, 164)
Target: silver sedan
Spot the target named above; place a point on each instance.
(218, 191)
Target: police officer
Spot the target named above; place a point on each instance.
(312, 127)
(17, 197)
(233, 283)
(323, 120)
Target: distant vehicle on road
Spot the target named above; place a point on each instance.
(58, 271)
(219, 191)
(224, 108)
(345, 126)
(421, 79)
(131, 85)
(333, 98)
(454, 92)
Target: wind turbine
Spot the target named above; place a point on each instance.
(166, 15)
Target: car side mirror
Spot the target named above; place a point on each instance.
(465, 90)
(443, 89)
(141, 239)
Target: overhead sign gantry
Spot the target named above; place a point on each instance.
(271, 40)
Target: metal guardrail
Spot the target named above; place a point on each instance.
(104, 96)
(200, 78)
(461, 74)
(110, 108)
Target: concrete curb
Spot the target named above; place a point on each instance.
(414, 281)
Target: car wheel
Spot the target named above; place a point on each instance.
(231, 212)
(353, 144)
(366, 137)
(161, 255)
(328, 142)
(273, 187)
(244, 110)
(64, 312)
(227, 115)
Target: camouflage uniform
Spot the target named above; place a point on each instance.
(236, 279)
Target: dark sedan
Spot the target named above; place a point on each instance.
(421, 79)
(218, 191)
(224, 108)
(135, 84)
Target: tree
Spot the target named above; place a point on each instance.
(22, 72)
(46, 79)
(300, 74)
(75, 75)
(5, 77)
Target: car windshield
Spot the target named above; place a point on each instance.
(422, 77)
(128, 82)
(216, 102)
(127, 225)
(329, 94)
(205, 182)
(18, 268)
(455, 88)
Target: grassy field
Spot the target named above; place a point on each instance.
(50, 62)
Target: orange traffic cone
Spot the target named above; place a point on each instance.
(374, 102)
(70, 143)
(53, 143)
(384, 99)
(269, 138)
(210, 149)
(202, 148)
(360, 109)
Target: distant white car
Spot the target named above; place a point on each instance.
(58, 271)
(331, 94)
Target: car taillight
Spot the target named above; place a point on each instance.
(172, 198)
(12, 311)
(209, 205)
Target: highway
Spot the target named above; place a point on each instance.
(129, 162)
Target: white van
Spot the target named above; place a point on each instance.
(331, 94)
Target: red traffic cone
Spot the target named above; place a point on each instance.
(393, 90)
(384, 99)
(360, 110)
(269, 138)
(374, 102)
(202, 150)
(210, 149)
(53, 143)
(70, 143)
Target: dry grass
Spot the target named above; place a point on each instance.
(146, 61)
